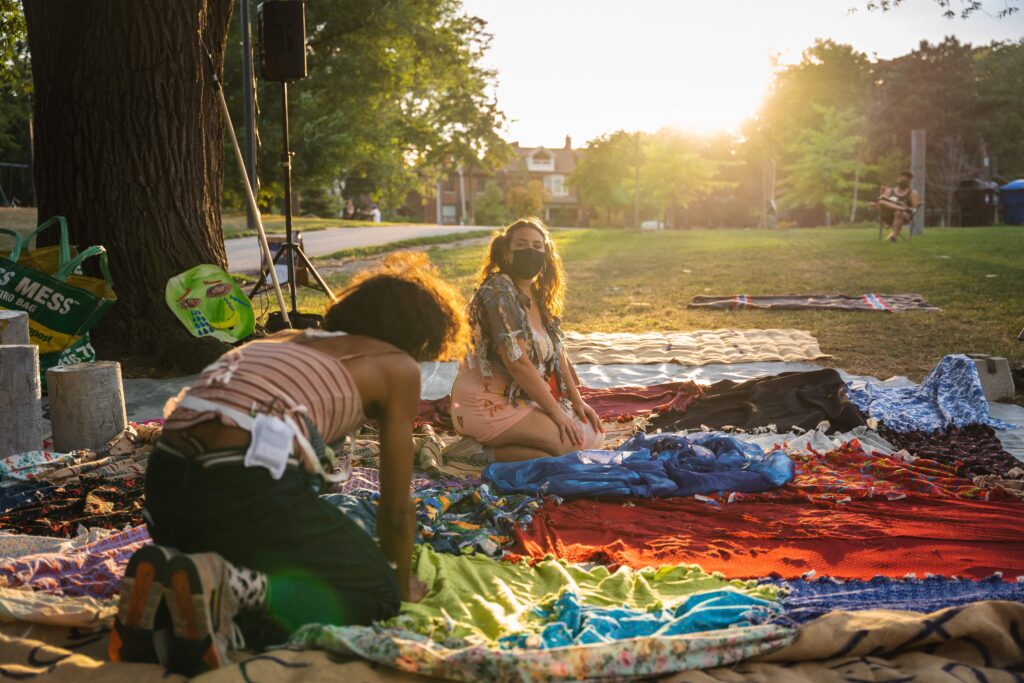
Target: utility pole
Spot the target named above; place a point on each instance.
(918, 184)
(636, 181)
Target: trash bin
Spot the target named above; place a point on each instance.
(978, 201)
(1011, 196)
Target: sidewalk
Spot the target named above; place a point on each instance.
(244, 252)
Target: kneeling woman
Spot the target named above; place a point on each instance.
(516, 395)
(231, 488)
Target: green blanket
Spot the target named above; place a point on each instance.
(476, 595)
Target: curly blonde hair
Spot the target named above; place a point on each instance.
(549, 287)
(405, 303)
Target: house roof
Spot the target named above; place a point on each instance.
(565, 157)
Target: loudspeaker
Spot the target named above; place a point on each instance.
(282, 35)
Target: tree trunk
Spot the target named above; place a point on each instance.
(129, 147)
(856, 190)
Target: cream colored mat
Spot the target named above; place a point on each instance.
(700, 347)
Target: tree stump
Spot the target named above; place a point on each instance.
(20, 396)
(86, 405)
(14, 328)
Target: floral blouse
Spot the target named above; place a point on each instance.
(499, 316)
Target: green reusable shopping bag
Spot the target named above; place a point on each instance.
(209, 303)
(62, 304)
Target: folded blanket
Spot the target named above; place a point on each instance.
(698, 347)
(891, 303)
(950, 396)
(649, 465)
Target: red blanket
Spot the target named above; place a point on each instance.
(754, 539)
(617, 404)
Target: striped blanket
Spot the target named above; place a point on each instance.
(870, 301)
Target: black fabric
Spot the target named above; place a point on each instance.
(792, 399)
(321, 567)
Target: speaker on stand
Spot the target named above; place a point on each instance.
(282, 44)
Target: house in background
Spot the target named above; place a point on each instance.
(452, 201)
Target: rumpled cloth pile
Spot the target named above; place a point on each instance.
(646, 466)
(950, 396)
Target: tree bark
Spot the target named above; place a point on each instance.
(129, 147)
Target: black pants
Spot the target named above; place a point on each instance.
(322, 568)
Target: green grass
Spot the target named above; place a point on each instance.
(634, 282)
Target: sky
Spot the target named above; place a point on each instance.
(588, 67)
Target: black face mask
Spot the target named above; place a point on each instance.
(526, 263)
(903, 183)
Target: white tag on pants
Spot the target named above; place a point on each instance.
(271, 444)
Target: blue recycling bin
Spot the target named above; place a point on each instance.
(1011, 196)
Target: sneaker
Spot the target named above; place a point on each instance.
(202, 608)
(138, 634)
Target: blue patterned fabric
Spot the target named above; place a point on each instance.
(570, 623)
(649, 465)
(950, 396)
(811, 599)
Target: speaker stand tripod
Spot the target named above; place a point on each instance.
(290, 249)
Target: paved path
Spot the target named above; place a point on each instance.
(244, 252)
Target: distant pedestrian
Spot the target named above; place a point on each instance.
(898, 205)
(375, 213)
(349, 212)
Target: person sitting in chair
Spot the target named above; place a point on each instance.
(898, 205)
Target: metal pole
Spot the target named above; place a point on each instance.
(31, 162)
(438, 204)
(261, 233)
(462, 195)
(636, 183)
(286, 162)
(248, 105)
(917, 184)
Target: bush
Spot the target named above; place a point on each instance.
(319, 202)
(489, 208)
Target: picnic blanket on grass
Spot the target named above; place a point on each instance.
(889, 303)
(699, 347)
(855, 540)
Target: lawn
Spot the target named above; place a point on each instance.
(633, 282)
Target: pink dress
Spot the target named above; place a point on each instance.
(480, 405)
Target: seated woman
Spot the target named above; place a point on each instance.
(234, 480)
(898, 205)
(516, 395)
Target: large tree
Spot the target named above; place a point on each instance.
(129, 149)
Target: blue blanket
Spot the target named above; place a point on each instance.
(568, 622)
(810, 599)
(950, 396)
(649, 465)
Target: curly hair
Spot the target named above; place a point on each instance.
(405, 303)
(549, 287)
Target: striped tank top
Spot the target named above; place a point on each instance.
(278, 378)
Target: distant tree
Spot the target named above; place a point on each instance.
(600, 177)
(526, 199)
(964, 9)
(951, 166)
(822, 173)
(397, 96)
(998, 111)
(675, 173)
(489, 207)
